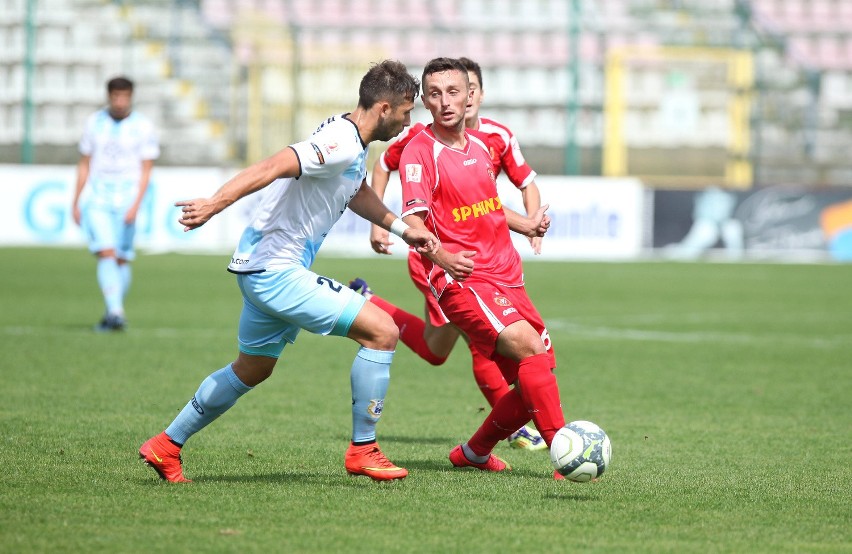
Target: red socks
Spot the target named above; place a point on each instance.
(536, 395)
(488, 376)
(541, 395)
(411, 330)
(507, 416)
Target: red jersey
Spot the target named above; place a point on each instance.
(458, 191)
(503, 148)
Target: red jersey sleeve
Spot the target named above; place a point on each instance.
(506, 152)
(390, 157)
(417, 175)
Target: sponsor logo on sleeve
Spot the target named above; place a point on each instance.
(319, 153)
(413, 172)
(414, 201)
(330, 148)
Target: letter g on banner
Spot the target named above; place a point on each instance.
(46, 210)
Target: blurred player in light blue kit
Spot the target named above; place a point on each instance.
(308, 186)
(118, 149)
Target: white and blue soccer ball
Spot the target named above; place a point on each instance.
(580, 451)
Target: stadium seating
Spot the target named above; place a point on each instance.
(196, 62)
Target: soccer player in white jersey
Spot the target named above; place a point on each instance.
(118, 149)
(432, 338)
(311, 183)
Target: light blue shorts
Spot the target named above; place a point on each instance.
(278, 304)
(105, 229)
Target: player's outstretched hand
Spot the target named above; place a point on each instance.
(195, 212)
(380, 240)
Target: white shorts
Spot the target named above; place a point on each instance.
(106, 230)
(278, 304)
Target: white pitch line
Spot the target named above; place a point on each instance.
(587, 331)
(159, 332)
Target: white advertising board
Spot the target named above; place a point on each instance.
(592, 218)
(37, 209)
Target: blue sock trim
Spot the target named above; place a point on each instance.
(235, 382)
(378, 356)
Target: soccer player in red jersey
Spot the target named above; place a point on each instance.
(432, 338)
(449, 188)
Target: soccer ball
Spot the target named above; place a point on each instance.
(580, 451)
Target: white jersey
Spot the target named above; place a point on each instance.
(294, 215)
(117, 150)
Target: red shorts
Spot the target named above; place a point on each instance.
(482, 310)
(418, 276)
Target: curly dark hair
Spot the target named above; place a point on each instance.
(388, 80)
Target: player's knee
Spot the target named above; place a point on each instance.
(385, 334)
(253, 370)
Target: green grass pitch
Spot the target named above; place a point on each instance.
(725, 389)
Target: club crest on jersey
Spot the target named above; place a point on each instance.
(502, 301)
(375, 408)
(319, 153)
(491, 174)
(413, 172)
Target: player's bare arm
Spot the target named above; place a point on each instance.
(144, 181)
(368, 205)
(532, 202)
(82, 177)
(458, 264)
(379, 238)
(535, 225)
(197, 212)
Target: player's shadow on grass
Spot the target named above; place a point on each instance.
(407, 439)
(306, 478)
(438, 464)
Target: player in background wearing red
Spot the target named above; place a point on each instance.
(432, 338)
(449, 188)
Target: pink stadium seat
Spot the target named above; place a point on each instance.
(829, 52)
(590, 48)
(218, 13)
(474, 45)
(844, 14)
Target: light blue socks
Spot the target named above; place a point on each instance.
(126, 278)
(217, 393)
(369, 377)
(110, 281)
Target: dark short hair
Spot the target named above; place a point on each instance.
(387, 80)
(471, 65)
(119, 83)
(437, 65)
